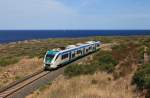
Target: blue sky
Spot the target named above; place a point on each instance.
(74, 14)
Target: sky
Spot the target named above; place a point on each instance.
(74, 14)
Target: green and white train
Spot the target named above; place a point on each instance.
(56, 57)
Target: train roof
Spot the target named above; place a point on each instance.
(72, 47)
(79, 46)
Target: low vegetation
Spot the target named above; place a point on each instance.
(94, 78)
(120, 51)
(107, 62)
(13, 52)
(98, 85)
(75, 70)
(24, 67)
(103, 61)
(142, 78)
(7, 61)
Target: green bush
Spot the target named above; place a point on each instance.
(141, 52)
(119, 48)
(7, 61)
(148, 51)
(120, 51)
(142, 77)
(75, 70)
(103, 61)
(107, 62)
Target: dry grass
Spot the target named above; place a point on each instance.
(99, 85)
(17, 71)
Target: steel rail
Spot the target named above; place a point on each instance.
(9, 90)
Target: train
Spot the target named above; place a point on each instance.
(57, 57)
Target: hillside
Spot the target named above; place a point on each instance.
(112, 72)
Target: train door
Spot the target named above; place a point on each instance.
(94, 47)
(83, 50)
(69, 55)
(73, 55)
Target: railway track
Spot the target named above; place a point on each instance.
(20, 87)
(14, 87)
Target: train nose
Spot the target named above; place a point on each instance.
(47, 66)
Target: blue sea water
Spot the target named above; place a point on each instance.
(19, 35)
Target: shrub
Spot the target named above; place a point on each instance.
(119, 48)
(18, 77)
(102, 61)
(120, 51)
(75, 70)
(7, 61)
(141, 52)
(107, 62)
(142, 77)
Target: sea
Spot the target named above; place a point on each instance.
(7, 36)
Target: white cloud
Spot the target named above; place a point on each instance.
(34, 14)
(55, 14)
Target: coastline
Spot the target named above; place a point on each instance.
(7, 36)
(43, 39)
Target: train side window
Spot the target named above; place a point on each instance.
(90, 47)
(87, 50)
(79, 51)
(73, 55)
(64, 56)
(93, 48)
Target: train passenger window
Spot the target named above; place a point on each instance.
(64, 56)
(79, 51)
(93, 48)
(87, 50)
(73, 55)
(90, 48)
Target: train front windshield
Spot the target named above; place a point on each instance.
(49, 58)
